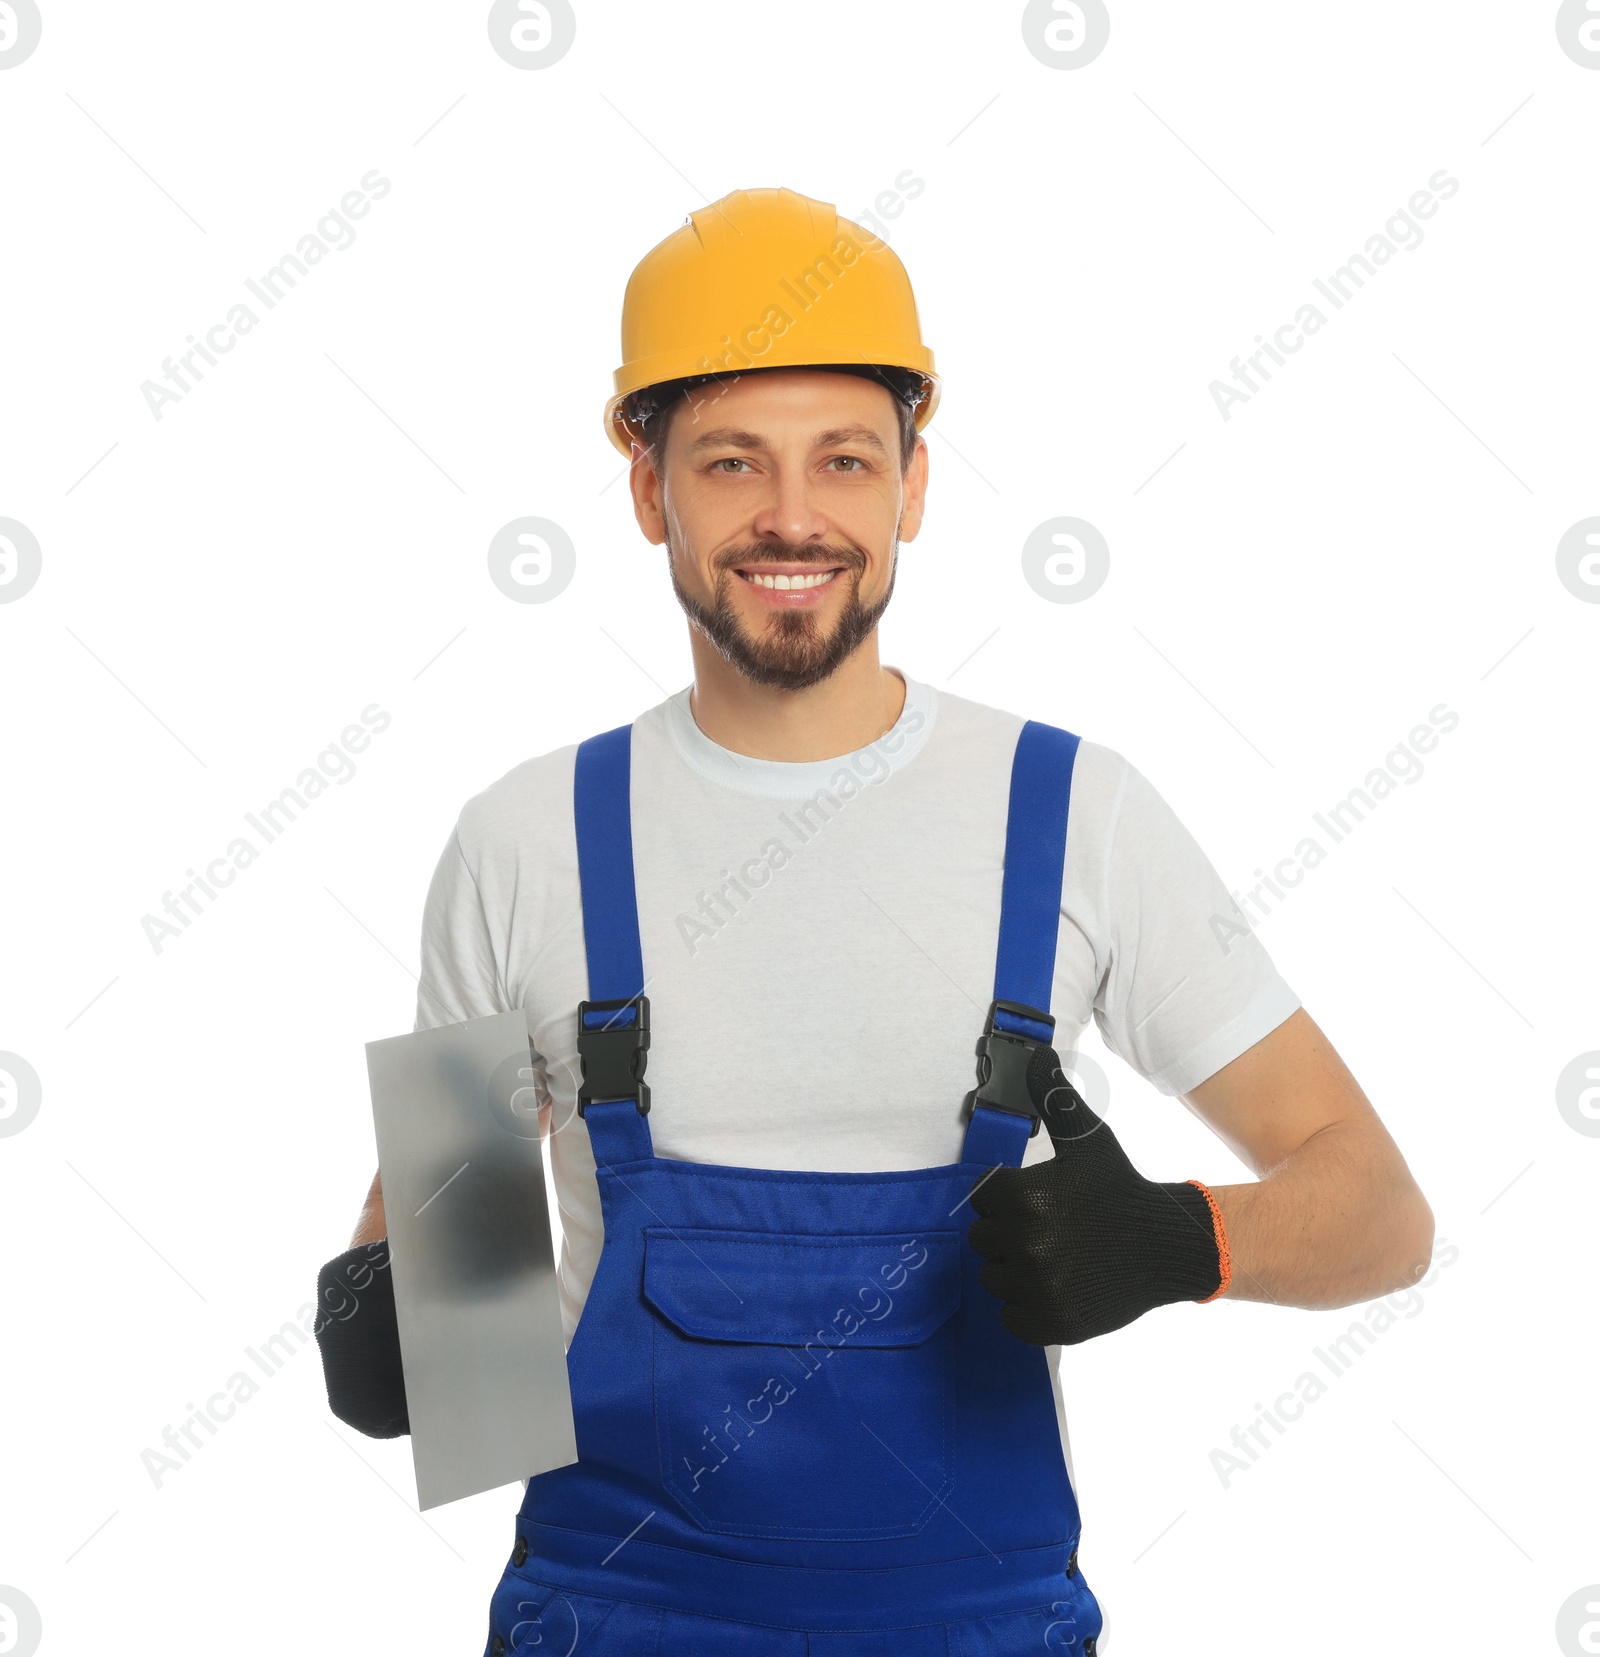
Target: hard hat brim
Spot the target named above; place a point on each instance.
(624, 435)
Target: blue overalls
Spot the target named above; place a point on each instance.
(802, 1428)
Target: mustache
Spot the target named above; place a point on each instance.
(775, 552)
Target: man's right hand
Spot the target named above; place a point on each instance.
(359, 1338)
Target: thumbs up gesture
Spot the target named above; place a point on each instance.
(1082, 1244)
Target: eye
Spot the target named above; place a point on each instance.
(719, 465)
(850, 463)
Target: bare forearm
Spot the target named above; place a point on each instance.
(1337, 1221)
(371, 1226)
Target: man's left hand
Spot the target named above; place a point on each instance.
(1083, 1244)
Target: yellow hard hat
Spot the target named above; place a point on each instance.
(766, 279)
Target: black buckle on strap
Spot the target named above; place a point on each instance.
(613, 1054)
(1003, 1059)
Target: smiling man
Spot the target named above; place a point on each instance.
(781, 643)
(816, 1271)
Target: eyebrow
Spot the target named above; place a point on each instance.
(727, 437)
(863, 435)
(732, 438)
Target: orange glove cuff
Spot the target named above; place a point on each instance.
(1224, 1259)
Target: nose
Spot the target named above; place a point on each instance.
(788, 512)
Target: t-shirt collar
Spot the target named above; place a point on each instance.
(798, 779)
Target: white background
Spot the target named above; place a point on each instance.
(305, 532)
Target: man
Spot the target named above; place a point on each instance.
(811, 1291)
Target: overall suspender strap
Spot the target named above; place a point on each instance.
(603, 817)
(1030, 916)
(1036, 850)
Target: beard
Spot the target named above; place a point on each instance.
(794, 649)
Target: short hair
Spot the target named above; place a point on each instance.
(649, 410)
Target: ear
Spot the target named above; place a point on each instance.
(915, 490)
(644, 484)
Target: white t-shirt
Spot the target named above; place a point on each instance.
(819, 942)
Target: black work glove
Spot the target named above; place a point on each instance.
(359, 1338)
(1083, 1244)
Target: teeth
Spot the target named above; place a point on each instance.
(789, 583)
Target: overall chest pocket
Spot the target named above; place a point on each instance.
(801, 1383)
